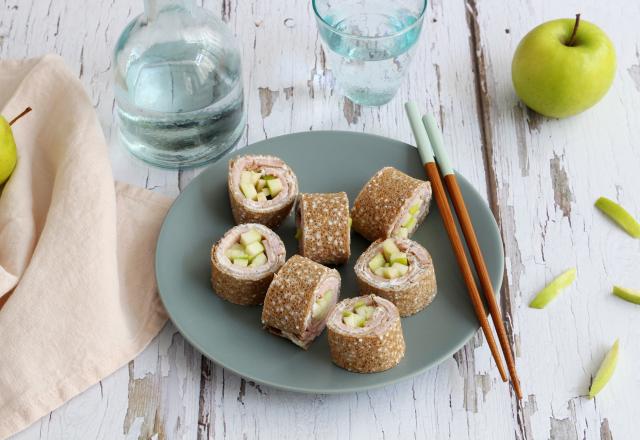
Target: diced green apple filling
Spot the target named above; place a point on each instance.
(391, 263)
(249, 251)
(321, 306)
(359, 315)
(408, 222)
(258, 187)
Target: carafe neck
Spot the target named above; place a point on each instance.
(154, 7)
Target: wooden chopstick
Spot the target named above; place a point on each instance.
(426, 153)
(435, 137)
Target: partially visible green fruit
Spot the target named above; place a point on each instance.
(8, 152)
(546, 295)
(619, 215)
(607, 367)
(558, 76)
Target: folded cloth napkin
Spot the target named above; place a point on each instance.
(77, 282)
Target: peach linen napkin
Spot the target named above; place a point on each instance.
(77, 285)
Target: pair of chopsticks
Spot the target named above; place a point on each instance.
(431, 148)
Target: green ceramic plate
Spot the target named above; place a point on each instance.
(232, 336)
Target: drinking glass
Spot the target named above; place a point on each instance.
(371, 44)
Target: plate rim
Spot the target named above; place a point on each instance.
(343, 390)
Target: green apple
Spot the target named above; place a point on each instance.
(8, 152)
(251, 236)
(563, 67)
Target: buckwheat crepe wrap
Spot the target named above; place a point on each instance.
(411, 292)
(270, 213)
(293, 297)
(245, 285)
(385, 201)
(324, 227)
(377, 346)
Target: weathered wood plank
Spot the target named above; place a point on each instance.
(547, 174)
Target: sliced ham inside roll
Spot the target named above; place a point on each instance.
(324, 227)
(244, 261)
(400, 270)
(391, 204)
(262, 189)
(301, 296)
(365, 334)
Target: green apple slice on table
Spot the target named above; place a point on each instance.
(627, 294)
(606, 370)
(619, 215)
(546, 295)
(563, 67)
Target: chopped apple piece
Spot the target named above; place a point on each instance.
(241, 262)
(245, 178)
(233, 253)
(365, 311)
(389, 247)
(627, 294)
(406, 220)
(606, 370)
(354, 320)
(261, 197)
(402, 233)
(398, 257)
(546, 295)
(249, 191)
(620, 215)
(379, 271)
(254, 249)
(255, 177)
(413, 210)
(391, 273)
(260, 184)
(298, 234)
(411, 223)
(401, 268)
(269, 177)
(275, 186)
(376, 262)
(251, 236)
(258, 260)
(321, 306)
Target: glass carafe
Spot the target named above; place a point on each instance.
(178, 85)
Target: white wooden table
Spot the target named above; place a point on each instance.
(540, 177)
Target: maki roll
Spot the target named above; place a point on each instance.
(243, 262)
(400, 270)
(391, 204)
(262, 189)
(299, 300)
(324, 227)
(365, 334)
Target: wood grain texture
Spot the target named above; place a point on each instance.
(540, 176)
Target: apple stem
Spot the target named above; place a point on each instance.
(24, 112)
(572, 40)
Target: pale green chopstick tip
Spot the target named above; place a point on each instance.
(553, 289)
(619, 215)
(435, 137)
(419, 132)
